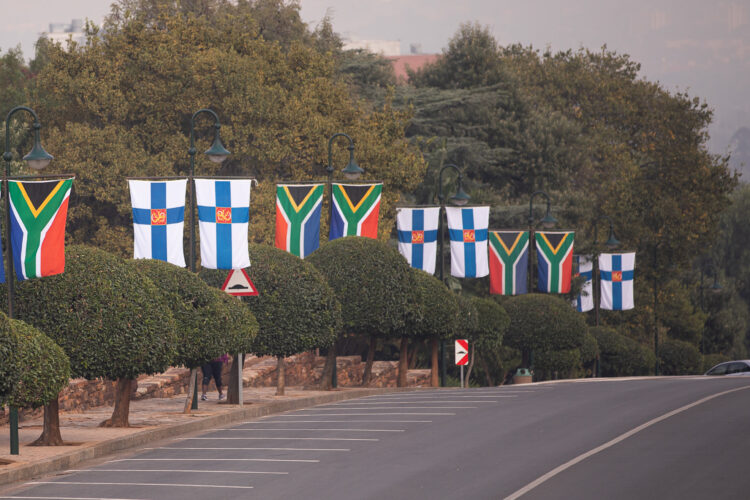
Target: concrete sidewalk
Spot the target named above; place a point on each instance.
(151, 420)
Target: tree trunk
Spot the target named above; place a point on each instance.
(120, 414)
(472, 348)
(415, 345)
(483, 363)
(281, 376)
(51, 430)
(434, 382)
(233, 393)
(325, 378)
(403, 362)
(370, 357)
(191, 390)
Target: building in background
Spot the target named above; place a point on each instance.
(382, 47)
(62, 32)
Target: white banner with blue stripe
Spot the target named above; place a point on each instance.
(223, 215)
(417, 236)
(616, 271)
(585, 268)
(468, 228)
(158, 219)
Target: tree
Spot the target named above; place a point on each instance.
(110, 320)
(372, 282)
(43, 367)
(677, 357)
(487, 333)
(622, 356)
(295, 308)
(205, 327)
(542, 323)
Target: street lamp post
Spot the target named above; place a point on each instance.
(37, 159)
(716, 288)
(217, 154)
(352, 171)
(460, 198)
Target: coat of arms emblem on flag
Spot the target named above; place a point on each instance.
(158, 219)
(224, 216)
(355, 210)
(585, 268)
(417, 236)
(38, 211)
(468, 232)
(298, 218)
(616, 272)
(509, 262)
(555, 260)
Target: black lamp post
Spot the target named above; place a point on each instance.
(37, 159)
(217, 154)
(715, 288)
(460, 198)
(352, 171)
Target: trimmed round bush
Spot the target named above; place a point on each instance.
(435, 313)
(10, 365)
(492, 322)
(240, 337)
(295, 308)
(205, 326)
(589, 349)
(677, 357)
(621, 356)
(543, 323)
(566, 363)
(110, 320)
(371, 280)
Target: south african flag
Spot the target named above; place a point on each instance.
(298, 218)
(355, 210)
(555, 260)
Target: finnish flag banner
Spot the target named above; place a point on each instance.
(158, 219)
(223, 216)
(417, 236)
(616, 272)
(468, 228)
(585, 266)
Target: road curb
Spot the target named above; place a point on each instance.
(149, 436)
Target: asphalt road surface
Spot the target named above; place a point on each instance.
(680, 438)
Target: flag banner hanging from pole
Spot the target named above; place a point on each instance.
(555, 260)
(224, 216)
(158, 219)
(468, 232)
(616, 271)
(417, 236)
(38, 212)
(298, 210)
(509, 262)
(584, 266)
(355, 210)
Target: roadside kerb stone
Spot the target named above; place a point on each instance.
(150, 436)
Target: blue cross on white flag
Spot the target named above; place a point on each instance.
(585, 300)
(417, 236)
(616, 271)
(468, 227)
(158, 219)
(223, 215)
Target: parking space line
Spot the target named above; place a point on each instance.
(316, 430)
(179, 470)
(78, 483)
(257, 438)
(265, 449)
(213, 459)
(397, 408)
(340, 421)
(406, 402)
(364, 414)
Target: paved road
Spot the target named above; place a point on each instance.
(477, 443)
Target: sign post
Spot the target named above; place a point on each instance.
(238, 284)
(462, 356)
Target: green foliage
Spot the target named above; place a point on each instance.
(205, 328)
(240, 337)
(10, 363)
(589, 349)
(711, 360)
(14, 78)
(371, 280)
(492, 322)
(109, 319)
(565, 363)
(677, 357)
(436, 312)
(44, 368)
(368, 73)
(622, 356)
(295, 308)
(544, 323)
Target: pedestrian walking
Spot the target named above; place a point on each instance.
(213, 369)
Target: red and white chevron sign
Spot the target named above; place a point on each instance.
(462, 352)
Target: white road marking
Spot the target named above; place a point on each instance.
(146, 484)
(71, 498)
(341, 422)
(609, 444)
(266, 449)
(315, 430)
(257, 438)
(364, 414)
(177, 470)
(395, 408)
(213, 459)
(428, 401)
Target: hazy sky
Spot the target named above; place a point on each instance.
(698, 46)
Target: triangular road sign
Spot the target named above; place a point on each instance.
(238, 283)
